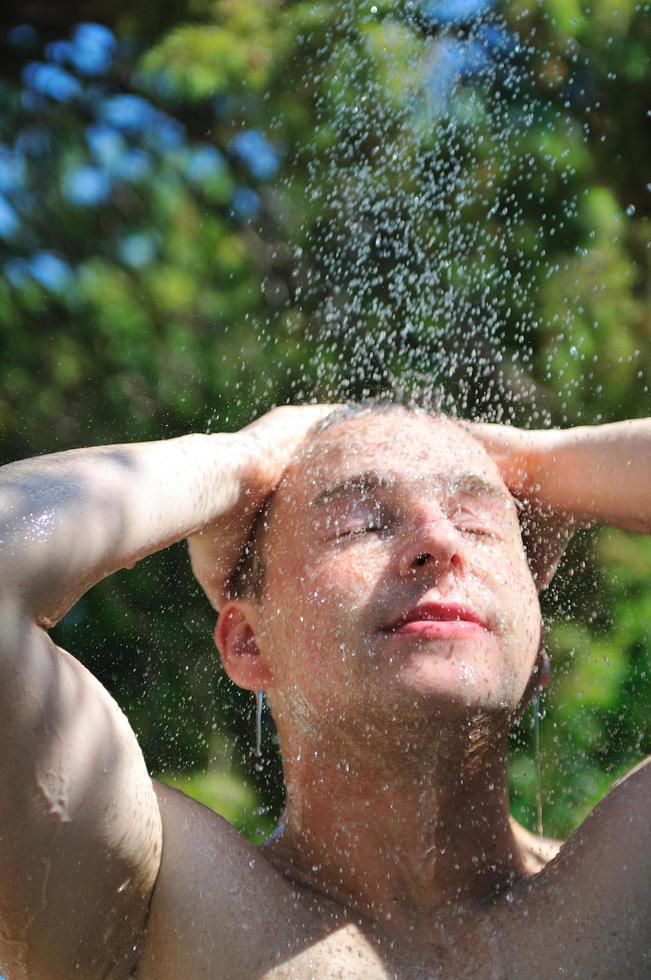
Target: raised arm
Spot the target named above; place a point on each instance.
(80, 827)
(599, 474)
(571, 477)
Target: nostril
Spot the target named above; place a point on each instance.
(421, 559)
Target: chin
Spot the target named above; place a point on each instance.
(455, 688)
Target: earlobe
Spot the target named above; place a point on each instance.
(236, 641)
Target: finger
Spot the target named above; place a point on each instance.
(291, 421)
(498, 439)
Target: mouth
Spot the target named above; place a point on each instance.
(438, 620)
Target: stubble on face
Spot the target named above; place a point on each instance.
(342, 549)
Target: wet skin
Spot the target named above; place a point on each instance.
(398, 836)
(386, 513)
(395, 639)
(395, 647)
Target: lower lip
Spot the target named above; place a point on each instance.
(439, 629)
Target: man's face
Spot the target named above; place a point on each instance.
(397, 585)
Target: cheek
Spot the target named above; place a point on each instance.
(521, 620)
(506, 576)
(335, 594)
(349, 572)
(327, 573)
(315, 608)
(347, 579)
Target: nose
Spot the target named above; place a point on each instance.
(433, 542)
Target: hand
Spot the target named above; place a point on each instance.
(526, 459)
(260, 453)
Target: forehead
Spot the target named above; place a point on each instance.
(405, 448)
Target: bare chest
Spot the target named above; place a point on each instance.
(497, 944)
(322, 944)
(349, 953)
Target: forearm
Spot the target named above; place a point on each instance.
(69, 519)
(601, 474)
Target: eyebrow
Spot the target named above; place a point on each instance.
(358, 483)
(369, 481)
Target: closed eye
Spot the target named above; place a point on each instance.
(479, 531)
(356, 531)
(470, 523)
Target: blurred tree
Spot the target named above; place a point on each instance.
(209, 208)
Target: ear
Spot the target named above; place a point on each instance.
(235, 638)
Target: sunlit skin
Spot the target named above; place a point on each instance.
(396, 637)
(342, 570)
(393, 740)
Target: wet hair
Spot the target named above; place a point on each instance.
(248, 577)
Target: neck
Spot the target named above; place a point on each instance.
(401, 837)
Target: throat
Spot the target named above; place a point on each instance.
(399, 846)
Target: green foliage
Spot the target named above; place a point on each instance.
(229, 795)
(163, 274)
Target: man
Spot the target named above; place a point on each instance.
(386, 608)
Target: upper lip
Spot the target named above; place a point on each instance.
(438, 612)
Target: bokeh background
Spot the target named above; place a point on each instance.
(208, 207)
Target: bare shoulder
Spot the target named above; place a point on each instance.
(611, 850)
(587, 913)
(219, 909)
